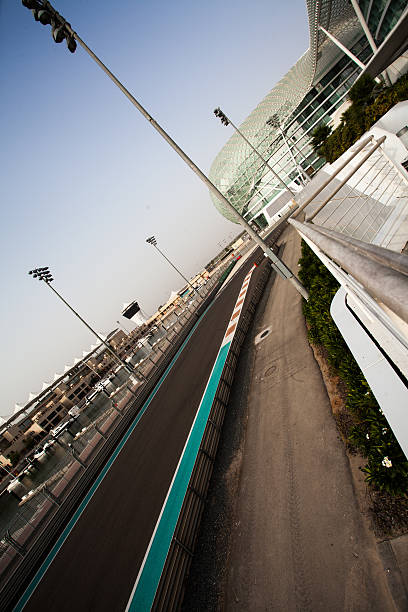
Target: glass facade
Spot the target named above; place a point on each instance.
(281, 126)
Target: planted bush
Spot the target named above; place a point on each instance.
(387, 467)
(369, 104)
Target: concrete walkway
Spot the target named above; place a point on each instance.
(298, 540)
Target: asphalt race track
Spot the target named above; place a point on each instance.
(97, 565)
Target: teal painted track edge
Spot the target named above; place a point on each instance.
(145, 589)
(52, 554)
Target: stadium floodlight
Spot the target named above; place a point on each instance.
(227, 121)
(45, 13)
(152, 240)
(224, 119)
(274, 122)
(277, 264)
(43, 17)
(44, 274)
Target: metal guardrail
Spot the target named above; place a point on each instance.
(23, 551)
(383, 273)
(361, 146)
(369, 203)
(350, 174)
(170, 591)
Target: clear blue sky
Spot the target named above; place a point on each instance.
(84, 177)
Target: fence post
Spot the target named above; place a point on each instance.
(51, 495)
(17, 547)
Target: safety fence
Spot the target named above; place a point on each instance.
(356, 222)
(365, 197)
(44, 512)
(170, 590)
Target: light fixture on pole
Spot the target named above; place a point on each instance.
(277, 264)
(274, 122)
(44, 274)
(227, 121)
(152, 240)
(47, 15)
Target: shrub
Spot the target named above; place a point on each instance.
(369, 105)
(361, 90)
(387, 466)
(320, 134)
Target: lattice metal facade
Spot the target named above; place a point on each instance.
(281, 126)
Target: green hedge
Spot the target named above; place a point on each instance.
(371, 433)
(368, 106)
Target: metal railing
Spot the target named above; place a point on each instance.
(358, 216)
(383, 273)
(38, 515)
(356, 222)
(170, 590)
(368, 201)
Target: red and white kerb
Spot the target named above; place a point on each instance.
(236, 313)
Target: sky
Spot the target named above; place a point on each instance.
(85, 179)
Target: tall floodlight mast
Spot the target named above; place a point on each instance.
(61, 30)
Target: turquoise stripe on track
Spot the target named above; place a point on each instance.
(143, 597)
(52, 554)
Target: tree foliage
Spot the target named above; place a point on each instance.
(360, 93)
(319, 135)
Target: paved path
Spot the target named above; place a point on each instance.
(298, 541)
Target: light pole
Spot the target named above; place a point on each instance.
(44, 274)
(152, 240)
(13, 477)
(227, 121)
(277, 264)
(274, 122)
(61, 30)
(93, 370)
(9, 472)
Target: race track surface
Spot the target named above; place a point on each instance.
(99, 561)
